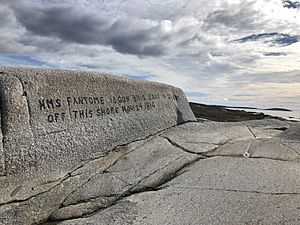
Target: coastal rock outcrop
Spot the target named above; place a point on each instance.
(178, 172)
(194, 173)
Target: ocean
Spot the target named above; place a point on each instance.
(290, 115)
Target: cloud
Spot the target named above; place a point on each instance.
(237, 18)
(186, 43)
(292, 76)
(291, 4)
(130, 36)
(274, 54)
(126, 34)
(275, 38)
(139, 37)
(65, 23)
(5, 15)
(142, 37)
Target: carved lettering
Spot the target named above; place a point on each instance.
(110, 105)
(72, 101)
(56, 117)
(49, 103)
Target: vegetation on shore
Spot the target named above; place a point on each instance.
(222, 114)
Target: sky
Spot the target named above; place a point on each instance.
(229, 52)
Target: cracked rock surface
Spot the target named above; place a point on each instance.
(194, 173)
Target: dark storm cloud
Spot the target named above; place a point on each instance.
(65, 23)
(129, 36)
(278, 39)
(70, 25)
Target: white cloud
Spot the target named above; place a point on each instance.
(186, 43)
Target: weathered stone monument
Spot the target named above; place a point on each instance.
(54, 120)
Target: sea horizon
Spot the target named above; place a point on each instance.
(289, 115)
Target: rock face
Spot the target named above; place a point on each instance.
(52, 121)
(193, 173)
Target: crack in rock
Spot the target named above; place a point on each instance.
(93, 205)
(277, 128)
(209, 154)
(286, 145)
(38, 194)
(181, 147)
(251, 131)
(238, 191)
(167, 178)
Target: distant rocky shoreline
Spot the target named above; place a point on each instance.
(223, 114)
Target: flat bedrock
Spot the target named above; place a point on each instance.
(194, 173)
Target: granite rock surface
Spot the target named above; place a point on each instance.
(194, 173)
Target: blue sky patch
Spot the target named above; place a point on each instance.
(195, 94)
(21, 60)
(139, 77)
